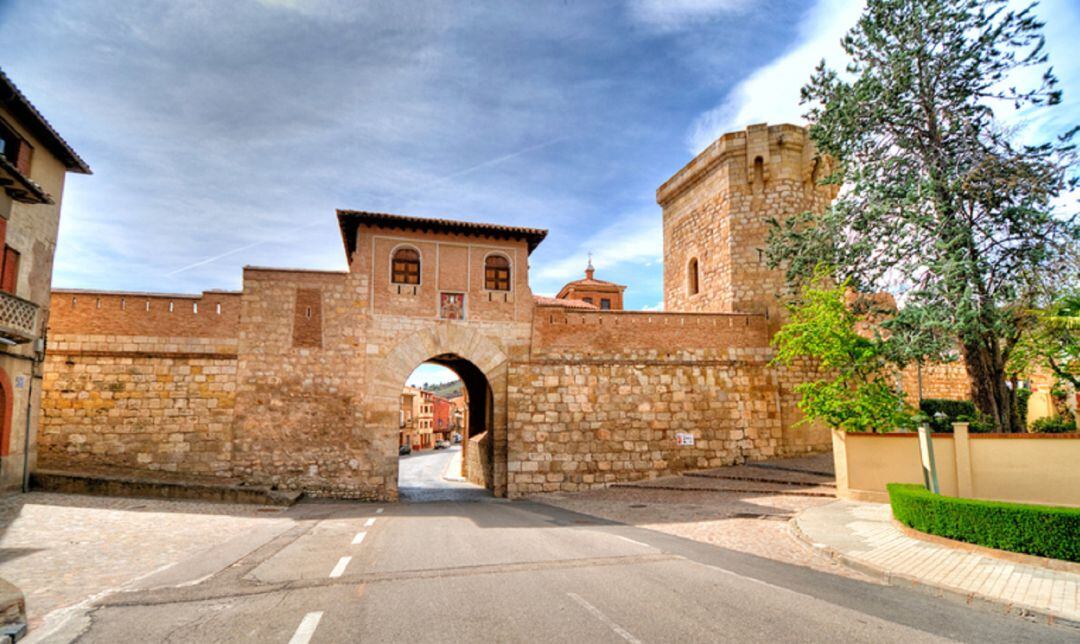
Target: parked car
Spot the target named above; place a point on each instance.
(441, 444)
(404, 450)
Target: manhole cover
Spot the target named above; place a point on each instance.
(752, 515)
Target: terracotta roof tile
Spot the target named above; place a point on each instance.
(568, 304)
(9, 93)
(350, 219)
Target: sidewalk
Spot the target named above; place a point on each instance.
(864, 536)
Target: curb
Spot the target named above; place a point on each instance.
(976, 600)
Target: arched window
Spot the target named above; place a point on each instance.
(497, 273)
(405, 266)
(692, 277)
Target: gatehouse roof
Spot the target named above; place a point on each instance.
(350, 220)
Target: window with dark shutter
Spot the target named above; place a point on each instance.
(15, 149)
(605, 304)
(497, 273)
(405, 266)
(9, 273)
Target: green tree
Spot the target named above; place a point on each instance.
(938, 202)
(852, 391)
(1052, 340)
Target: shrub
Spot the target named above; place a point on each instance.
(1059, 425)
(1023, 395)
(955, 411)
(1041, 530)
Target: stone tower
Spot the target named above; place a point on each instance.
(716, 211)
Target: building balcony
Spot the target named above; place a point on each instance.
(18, 319)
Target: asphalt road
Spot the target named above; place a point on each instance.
(422, 477)
(489, 570)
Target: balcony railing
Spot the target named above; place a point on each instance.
(18, 318)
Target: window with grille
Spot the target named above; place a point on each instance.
(497, 273)
(405, 267)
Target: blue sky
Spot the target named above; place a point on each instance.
(226, 133)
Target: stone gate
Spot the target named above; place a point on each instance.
(294, 380)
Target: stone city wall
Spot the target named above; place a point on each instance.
(155, 404)
(300, 421)
(604, 396)
(214, 314)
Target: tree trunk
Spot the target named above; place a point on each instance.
(989, 386)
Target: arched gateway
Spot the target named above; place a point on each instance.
(482, 367)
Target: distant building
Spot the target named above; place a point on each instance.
(34, 160)
(606, 296)
(442, 417)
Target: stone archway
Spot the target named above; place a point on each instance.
(468, 352)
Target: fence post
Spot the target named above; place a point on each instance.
(962, 446)
(926, 454)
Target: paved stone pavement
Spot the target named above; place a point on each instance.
(751, 522)
(61, 549)
(865, 535)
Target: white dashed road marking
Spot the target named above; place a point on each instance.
(370, 522)
(379, 511)
(339, 569)
(306, 628)
(632, 540)
(359, 538)
(619, 630)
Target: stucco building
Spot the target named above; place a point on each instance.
(296, 380)
(34, 160)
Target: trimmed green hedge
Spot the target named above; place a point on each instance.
(1040, 530)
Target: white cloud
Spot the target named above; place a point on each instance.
(669, 15)
(634, 240)
(771, 93)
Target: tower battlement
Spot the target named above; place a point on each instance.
(716, 211)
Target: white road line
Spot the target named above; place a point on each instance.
(339, 569)
(370, 522)
(379, 511)
(359, 538)
(306, 628)
(631, 540)
(619, 630)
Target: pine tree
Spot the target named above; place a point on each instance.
(939, 202)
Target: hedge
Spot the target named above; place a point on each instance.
(952, 411)
(1041, 530)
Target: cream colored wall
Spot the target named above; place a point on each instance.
(1027, 468)
(1023, 468)
(32, 231)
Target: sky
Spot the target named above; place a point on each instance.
(224, 134)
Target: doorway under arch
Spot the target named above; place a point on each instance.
(483, 366)
(446, 452)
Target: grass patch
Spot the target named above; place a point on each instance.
(1041, 530)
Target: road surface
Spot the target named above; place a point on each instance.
(491, 570)
(422, 477)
